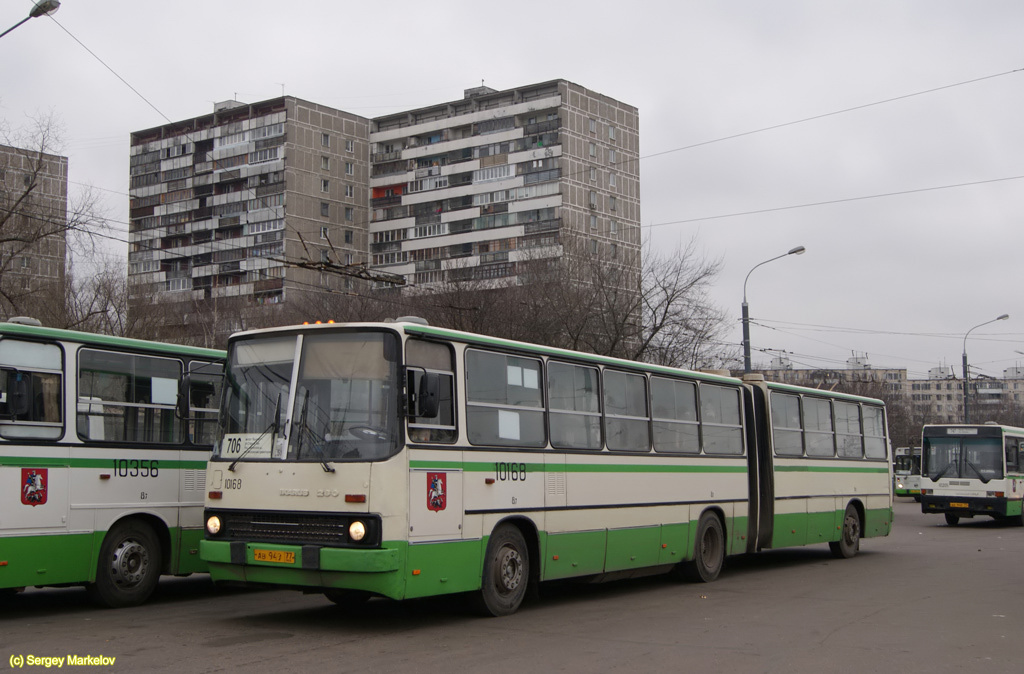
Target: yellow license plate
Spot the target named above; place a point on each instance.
(276, 556)
(957, 504)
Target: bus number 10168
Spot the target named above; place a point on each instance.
(510, 471)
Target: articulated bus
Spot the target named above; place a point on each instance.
(404, 460)
(101, 483)
(973, 470)
(906, 464)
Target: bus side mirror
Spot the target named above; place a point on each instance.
(184, 388)
(428, 395)
(17, 396)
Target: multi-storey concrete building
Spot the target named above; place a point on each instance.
(238, 209)
(480, 188)
(33, 227)
(254, 205)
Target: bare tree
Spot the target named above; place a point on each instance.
(38, 225)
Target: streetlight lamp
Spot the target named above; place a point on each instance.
(967, 373)
(41, 8)
(799, 250)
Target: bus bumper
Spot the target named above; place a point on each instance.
(965, 506)
(305, 566)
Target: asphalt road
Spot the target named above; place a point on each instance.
(929, 598)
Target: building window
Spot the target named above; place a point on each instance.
(350, 145)
(611, 180)
(592, 150)
(593, 222)
(350, 168)
(611, 203)
(325, 209)
(593, 199)
(611, 156)
(350, 213)
(593, 125)
(350, 191)
(325, 185)
(611, 133)
(613, 227)
(325, 139)
(593, 246)
(323, 232)
(325, 163)
(593, 174)
(348, 236)
(615, 250)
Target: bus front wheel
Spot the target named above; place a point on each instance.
(347, 598)
(709, 551)
(506, 572)
(129, 566)
(849, 539)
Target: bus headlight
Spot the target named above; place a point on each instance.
(213, 525)
(356, 531)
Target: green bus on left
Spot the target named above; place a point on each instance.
(101, 477)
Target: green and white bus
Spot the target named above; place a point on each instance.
(969, 470)
(906, 464)
(404, 460)
(101, 483)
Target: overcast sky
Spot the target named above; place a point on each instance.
(910, 210)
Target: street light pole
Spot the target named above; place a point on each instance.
(967, 372)
(41, 8)
(799, 250)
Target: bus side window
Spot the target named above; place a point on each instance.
(1012, 453)
(422, 357)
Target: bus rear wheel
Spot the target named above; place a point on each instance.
(129, 566)
(849, 539)
(506, 572)
(951, 519)
(708, 552)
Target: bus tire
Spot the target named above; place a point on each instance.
(506, 573)
(128, 567)
(347, 598)
(849, 537)
(951, 519)
(708, 551)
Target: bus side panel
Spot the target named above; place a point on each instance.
(443, 568)
(579, 553)
(46, 559)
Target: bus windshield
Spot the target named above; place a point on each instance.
(974, 458)
(339, 404)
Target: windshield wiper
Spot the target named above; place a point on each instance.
(304, 430)
(978, 471)
(274, 425)
(944, 471)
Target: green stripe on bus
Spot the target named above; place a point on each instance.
(56, 462)
(488, 467)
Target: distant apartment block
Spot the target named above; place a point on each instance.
(33, 223)
(480, 188)
(224, 205)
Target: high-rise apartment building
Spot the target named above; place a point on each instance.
(254, 205)
(479, 188)
(33, 229)
(237, 209)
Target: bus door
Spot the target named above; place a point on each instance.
(759, 457)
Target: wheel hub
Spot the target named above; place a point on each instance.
(510, 569)
(130, 564)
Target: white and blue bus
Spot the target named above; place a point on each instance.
(403, 460)
(101, 482)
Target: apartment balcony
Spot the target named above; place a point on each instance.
(386, 156)
(542, 127)
(383, 202)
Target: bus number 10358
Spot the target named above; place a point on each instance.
(510, 471)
